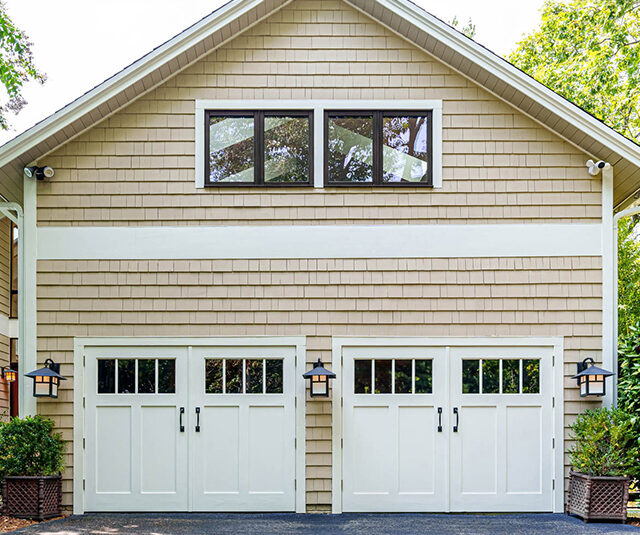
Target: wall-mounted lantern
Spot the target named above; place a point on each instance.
(319, 380)
(46, 380)
(9, 375)
(591, 379)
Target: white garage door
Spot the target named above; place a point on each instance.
(190, 429)
(447, 429)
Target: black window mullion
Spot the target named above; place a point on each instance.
(377, 148)
(258, 140)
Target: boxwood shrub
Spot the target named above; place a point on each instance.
(29, 447)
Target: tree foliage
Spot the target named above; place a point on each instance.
(588, 51)
(16, 65)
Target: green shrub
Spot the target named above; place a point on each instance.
(606, 443)
(29, 447)
(629, 382)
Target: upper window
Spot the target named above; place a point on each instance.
(258, 148)
(379, 148)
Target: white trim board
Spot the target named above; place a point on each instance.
(322, 241)
(80, 343)
(318, 108)
(338, 343)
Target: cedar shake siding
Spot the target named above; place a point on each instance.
(137, 167)
(319, 299)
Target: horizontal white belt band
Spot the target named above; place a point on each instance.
(326, 241)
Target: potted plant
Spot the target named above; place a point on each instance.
(602, 458)
(31, 461)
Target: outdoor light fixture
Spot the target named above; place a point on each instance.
(9, 375)
(319, 380)
(39, 173)
(46, 380)
(591, 379)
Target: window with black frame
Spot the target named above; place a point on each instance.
(379, 148)
(256, 148)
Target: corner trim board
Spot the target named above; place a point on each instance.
(319, 241)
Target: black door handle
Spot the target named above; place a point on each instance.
(439, 419)
(181, 424)
(455, 427)
(197, 419)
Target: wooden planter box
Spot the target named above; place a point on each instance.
(32, 497)
(598, 497)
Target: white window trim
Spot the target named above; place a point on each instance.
(338, 343)
(318, 107)
(80, 343)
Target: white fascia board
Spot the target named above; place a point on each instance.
(322, 241)
(125, 78)
(318, 107)
(510, 74)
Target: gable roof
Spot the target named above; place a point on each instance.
(401, 16)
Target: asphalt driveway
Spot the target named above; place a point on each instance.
(351, 524)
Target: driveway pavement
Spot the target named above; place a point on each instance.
(350, 524)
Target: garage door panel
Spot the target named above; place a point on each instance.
(220, 435)
(524, 450)
(158, 426)
(478, 455)
(373, 449)
(113, 449)
(416, 451)
(268, 459)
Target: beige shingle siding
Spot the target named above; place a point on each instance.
(5, 265)
(137, 167)
(319, 299)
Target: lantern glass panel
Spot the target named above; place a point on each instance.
(584, 387)
(596, 385)
(319, 385)
(41, 386)
(10, 375)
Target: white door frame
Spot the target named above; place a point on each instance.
(79, 469)
(557, 407)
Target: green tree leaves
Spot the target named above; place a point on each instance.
(589, 52)
(16, 65)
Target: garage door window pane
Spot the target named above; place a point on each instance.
(510, 376)
(166, 376)
(213, 376)
(383, 376)
(107, 376)
(234, 377)
(530, 376)
(470, 376)
(146, 376)
(126, 376)
(273, 373)
(403, 375)
(490, 376)
(254, 376)
(424, 381)
(362, 382)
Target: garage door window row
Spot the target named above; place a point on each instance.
(393, 376)
(243, 376)
(501, 376)
(141, 376)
